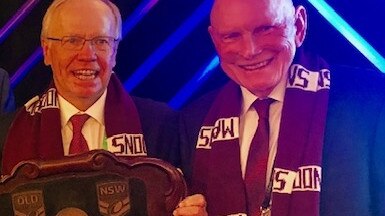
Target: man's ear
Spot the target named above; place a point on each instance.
(113, 57)
(214, 36)
(300, 24)
(210, 30)
(46, 53)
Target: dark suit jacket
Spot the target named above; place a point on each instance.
(159, 125)
(7, 103)
(353, 178)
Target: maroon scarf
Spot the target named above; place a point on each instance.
(297, 168)
(36, 130)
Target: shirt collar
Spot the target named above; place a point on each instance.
(277, 94)
(96, 111)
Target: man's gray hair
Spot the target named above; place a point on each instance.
(47, 20)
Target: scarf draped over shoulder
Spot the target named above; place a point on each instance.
(296, 179)
(36, 131)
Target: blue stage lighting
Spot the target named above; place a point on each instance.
(137, 15)
(185, 93)
(158, 55)
(349, 33)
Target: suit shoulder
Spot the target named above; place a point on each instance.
(154, 113)
(6, 119)
(354, 77)
(145, 105)
(5, 123)
(202, 103)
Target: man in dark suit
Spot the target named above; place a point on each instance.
(85, 106)
(7, 103)
(323, 152)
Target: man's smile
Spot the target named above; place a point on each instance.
(85, 74)
(256, 66)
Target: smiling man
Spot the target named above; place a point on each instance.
(257, 48)
(264, 142)
(81, 50)
(86, 107)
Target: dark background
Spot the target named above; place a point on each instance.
(192, 53)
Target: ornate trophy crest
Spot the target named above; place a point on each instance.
(113, 198)
(28, 203)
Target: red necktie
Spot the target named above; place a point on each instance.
(255, 176)
(78, 143)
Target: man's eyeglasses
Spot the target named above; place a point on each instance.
(101, 43)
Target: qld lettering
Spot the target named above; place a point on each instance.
(223, 129)
(307, 178)
(47, 100)
(127, 145)
(302, 78)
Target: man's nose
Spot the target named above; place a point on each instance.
(88, 51)
(250, 47)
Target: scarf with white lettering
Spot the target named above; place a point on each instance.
(36, 130)
(297, 167)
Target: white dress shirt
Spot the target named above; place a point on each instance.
(93, 129)
(249, 123)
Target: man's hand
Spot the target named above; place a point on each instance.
(194, 205)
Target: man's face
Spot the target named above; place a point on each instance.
(256, 40)
(80, 76)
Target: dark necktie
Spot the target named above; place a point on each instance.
(78, 143)
(255, 176)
